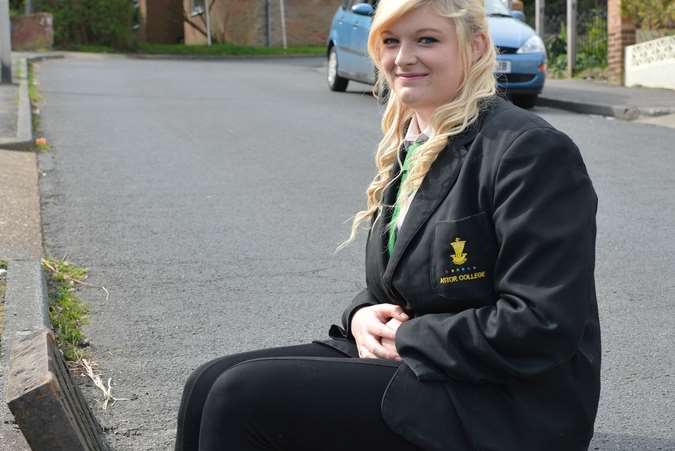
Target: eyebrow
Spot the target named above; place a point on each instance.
(421, 30)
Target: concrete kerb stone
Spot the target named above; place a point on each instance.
(627, 113)
(47, 406)
(27, 308)
(24, 134)
(24, 126)
(656, 111)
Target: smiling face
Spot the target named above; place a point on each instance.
(420, 58)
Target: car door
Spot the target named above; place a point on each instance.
(363, 66)
(345, 29)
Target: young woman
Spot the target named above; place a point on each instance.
(478, 328)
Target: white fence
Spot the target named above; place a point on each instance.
(651, 63)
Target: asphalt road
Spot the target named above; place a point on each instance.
(209, 197)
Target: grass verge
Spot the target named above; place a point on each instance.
(67, 312)
(214, 50)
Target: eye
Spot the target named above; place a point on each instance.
(389, 41)
(427, 40)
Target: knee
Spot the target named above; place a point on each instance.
(241, 390)
(194, 379)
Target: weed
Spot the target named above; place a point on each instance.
(66, 311)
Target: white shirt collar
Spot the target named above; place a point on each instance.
(413, 133)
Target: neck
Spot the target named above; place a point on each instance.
(423, 119)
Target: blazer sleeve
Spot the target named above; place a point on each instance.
(544, 210)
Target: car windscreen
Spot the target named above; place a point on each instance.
(496, 8)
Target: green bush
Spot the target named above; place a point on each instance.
(16, 7)
(556, 49)
(91, 22)
(591, 47)
(650, 14)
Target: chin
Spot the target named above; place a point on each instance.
(411, 102)
(408, 98)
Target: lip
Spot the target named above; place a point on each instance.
(411, 76)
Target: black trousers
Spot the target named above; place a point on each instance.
(306, 397)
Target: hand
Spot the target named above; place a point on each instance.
(393, 324)
(369, 327)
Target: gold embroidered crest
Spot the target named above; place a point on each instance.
(460, 257)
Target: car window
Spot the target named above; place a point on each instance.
(347, 4)
(496, 7)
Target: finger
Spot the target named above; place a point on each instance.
(366, 354)
(384, 353)
(380, 330)
(393, 324)
(375, 347)
(387, 311)
(390, 346)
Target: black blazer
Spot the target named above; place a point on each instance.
(494, 264)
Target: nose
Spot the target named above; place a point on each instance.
(406, 55)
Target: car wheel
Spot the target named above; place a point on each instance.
(335, 82)
(526, 101)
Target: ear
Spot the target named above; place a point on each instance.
(479, 45)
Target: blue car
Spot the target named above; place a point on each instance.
(521, 54)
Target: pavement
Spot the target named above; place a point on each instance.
(20, 222)
(20, 227)
(590, 97)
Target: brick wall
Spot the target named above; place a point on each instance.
(307, 21)
(620, 34)
(243, 22)
(33, 32)
(234, 21)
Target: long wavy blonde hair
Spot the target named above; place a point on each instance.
(448, 120)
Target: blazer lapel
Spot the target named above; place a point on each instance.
(434, 188)
(376, 248)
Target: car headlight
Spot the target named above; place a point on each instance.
(533, 45)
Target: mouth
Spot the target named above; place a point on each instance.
(412, 76)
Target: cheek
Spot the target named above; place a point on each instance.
(387, 67)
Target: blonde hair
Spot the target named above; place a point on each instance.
(448, 120)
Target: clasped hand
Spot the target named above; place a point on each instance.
(374, 329)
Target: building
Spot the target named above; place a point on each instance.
(244, 22)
